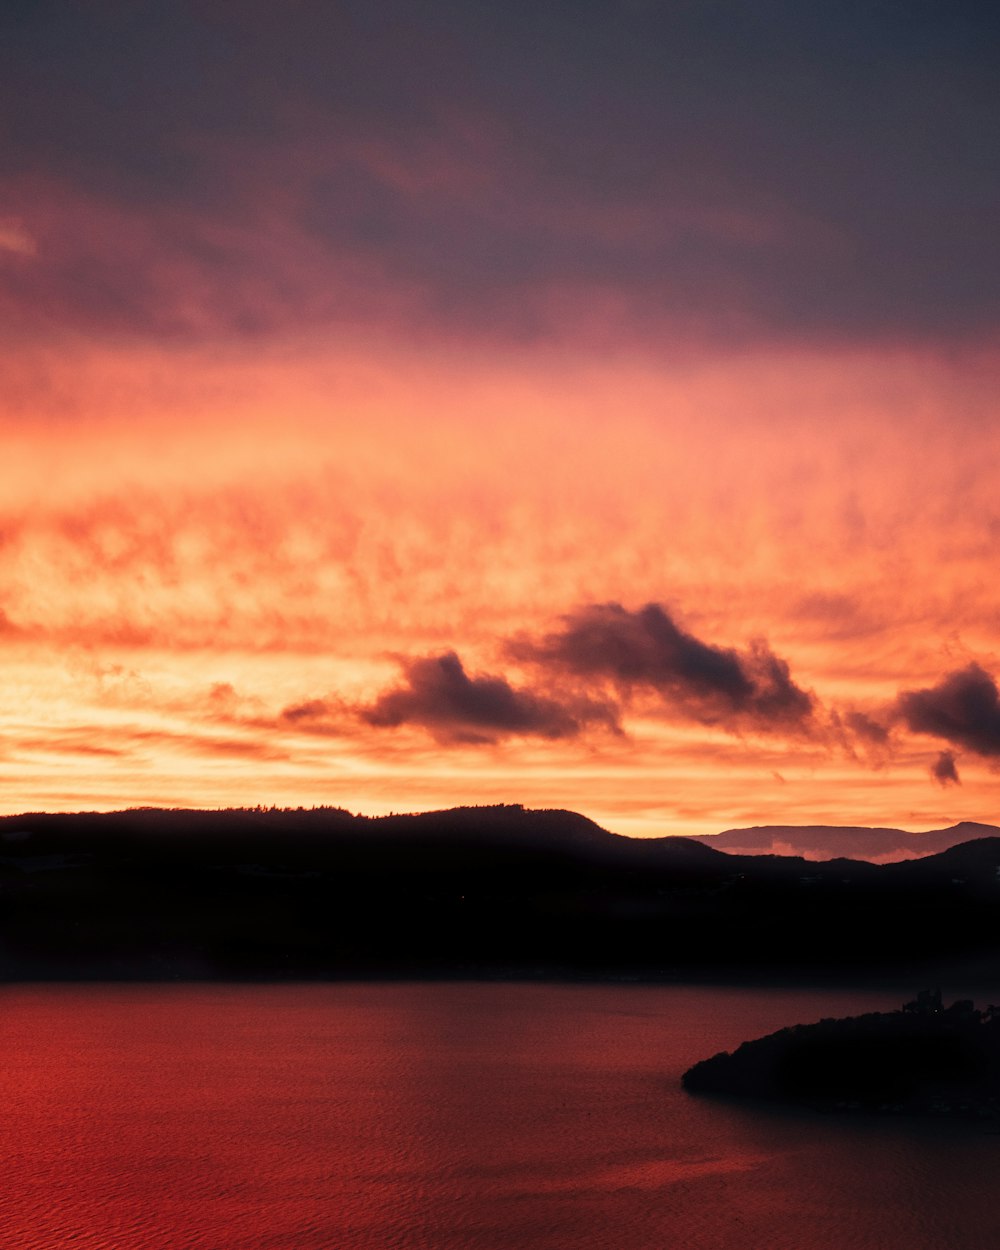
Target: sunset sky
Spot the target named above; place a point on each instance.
(580, 403)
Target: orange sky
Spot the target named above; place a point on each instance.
(194, 544)
(347, 442)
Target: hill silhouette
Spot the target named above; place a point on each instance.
(499, 891)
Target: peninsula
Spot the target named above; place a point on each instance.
(924, 1059)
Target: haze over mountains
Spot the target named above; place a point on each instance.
(822, 842)
(498, 891)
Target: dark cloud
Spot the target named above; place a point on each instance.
(439, 695)
(775, 169)
(328, 717)
(944, 769)
(863, 726)
(646, 650)
(309, 712)
(963, 709)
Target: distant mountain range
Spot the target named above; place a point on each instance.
(497, 891)
(819, 842)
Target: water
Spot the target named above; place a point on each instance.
(446, 1117)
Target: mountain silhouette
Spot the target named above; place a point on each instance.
(819, 842)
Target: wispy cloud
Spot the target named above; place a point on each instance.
(14, 237)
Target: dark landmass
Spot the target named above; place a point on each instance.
(473, 892)
(819, 842)
(922, 1060)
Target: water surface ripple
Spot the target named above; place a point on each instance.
(446, 1117)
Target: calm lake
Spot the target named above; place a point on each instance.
(447, 1117)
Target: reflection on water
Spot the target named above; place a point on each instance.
(657, 1173)
(446, 1117)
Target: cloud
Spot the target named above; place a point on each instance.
(439, 695)
(963, 709)
(331, 716)
(645, 651)
(825, 172)
(944, 770)
(869, 730)
(861, 736)
(310, 711)
(129, 741)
